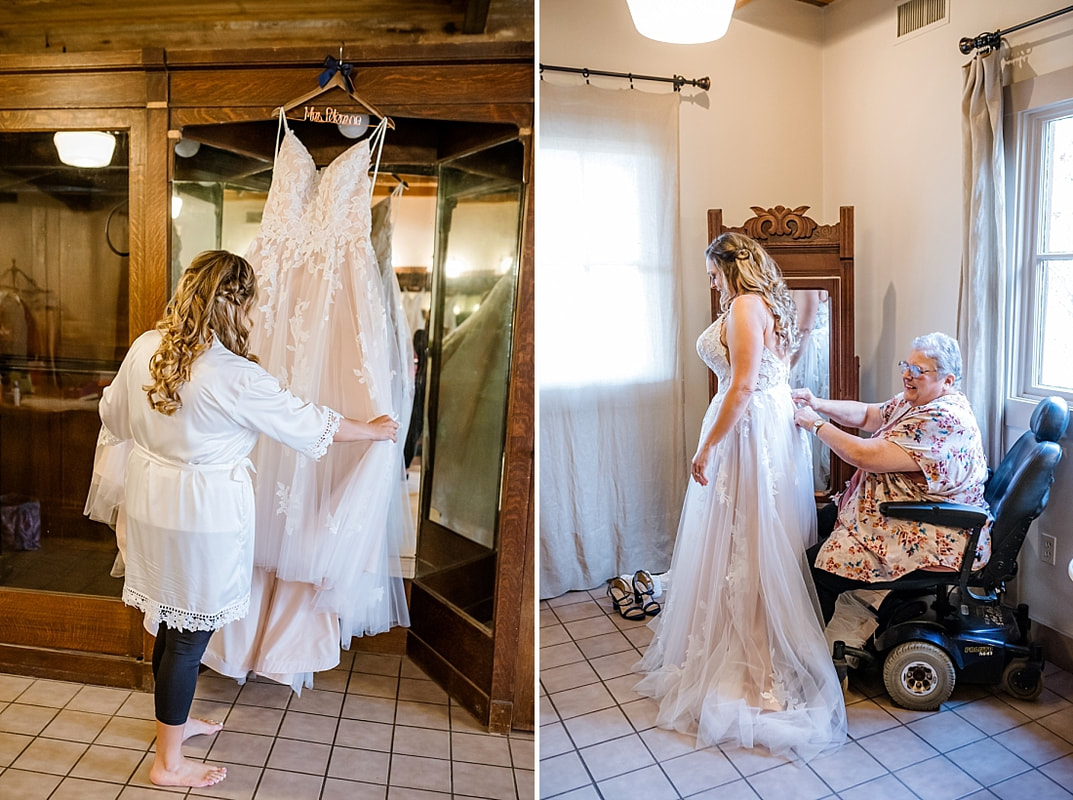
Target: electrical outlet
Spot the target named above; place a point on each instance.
(1047, 544)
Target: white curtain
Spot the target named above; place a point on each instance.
(982, 302)
(612, 450)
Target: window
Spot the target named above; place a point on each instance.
(1045, 258)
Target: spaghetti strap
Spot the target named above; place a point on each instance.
(377, 141)
(279, 129)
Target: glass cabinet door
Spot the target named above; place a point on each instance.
(64, 310)
(471, 337)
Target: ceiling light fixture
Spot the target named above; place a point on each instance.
(681, 21)
(86, 149)
(354, 131)
(185, 148)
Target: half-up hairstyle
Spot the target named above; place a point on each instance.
(213, 297)
(748, 269)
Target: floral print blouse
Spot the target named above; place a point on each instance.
(942, 437)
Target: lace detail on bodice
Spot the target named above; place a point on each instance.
(315, 226)
(773, 370)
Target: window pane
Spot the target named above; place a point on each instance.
(603, 291)
(63, 332)
(1058, 191)
(1056, 330)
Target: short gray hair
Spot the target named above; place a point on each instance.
(944, 351)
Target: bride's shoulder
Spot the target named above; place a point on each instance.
(748, 311)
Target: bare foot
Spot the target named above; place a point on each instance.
(201, 727)
(186, 773)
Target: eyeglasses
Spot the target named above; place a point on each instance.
(913, 370)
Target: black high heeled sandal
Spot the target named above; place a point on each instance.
(623, 600)
(645, 589)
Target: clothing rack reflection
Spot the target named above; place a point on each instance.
(990, 41)
(679, 81)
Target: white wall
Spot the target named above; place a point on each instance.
(753, 139)
(822, 107)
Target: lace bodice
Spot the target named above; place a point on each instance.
(773, 371)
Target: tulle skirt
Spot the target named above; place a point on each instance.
(739, 654)
(338, 523)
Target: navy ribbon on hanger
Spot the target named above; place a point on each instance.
(333, 66)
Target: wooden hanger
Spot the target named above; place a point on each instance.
(338, 80)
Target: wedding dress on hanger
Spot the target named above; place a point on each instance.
(326, 561)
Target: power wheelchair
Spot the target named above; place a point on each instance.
(949, 627)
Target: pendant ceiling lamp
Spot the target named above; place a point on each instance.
(681, 21)
(354, 131)
(87, 149)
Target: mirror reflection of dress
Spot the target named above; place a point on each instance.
(811, 368)
(470, 416)
(327, 545)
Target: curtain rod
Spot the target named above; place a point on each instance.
(678, 81)
(990, 41)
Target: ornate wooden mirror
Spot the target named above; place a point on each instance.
(817, 262)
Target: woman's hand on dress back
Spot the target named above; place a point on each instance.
(804, 417)
(382, 428)
(803, 398)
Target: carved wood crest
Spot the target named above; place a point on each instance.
(781, 222)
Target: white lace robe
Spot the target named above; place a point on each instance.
(188, 493)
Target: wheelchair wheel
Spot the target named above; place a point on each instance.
(1021, 682)
(918, 675)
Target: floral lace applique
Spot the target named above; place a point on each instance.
(778, 694)
(283, 494)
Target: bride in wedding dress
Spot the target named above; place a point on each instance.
(739, 654)
(328, 533)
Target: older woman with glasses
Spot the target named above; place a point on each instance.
(925, 446)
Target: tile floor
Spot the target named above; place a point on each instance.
(598, 740)
(375, 728)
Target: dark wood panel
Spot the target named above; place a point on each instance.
(69, 621)
(34, 26)
(385, 86)
(110, 90)
(524, 711)
(359, 53)
(464, 643)
(513, 598)
(61, 119)
(66, 665)
(454, 682)
(57, 61)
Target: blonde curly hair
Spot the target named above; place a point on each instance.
(213, 298)
(749, 269)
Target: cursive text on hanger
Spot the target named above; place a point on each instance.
(331, 115)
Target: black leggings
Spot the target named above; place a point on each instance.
(176, 658)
